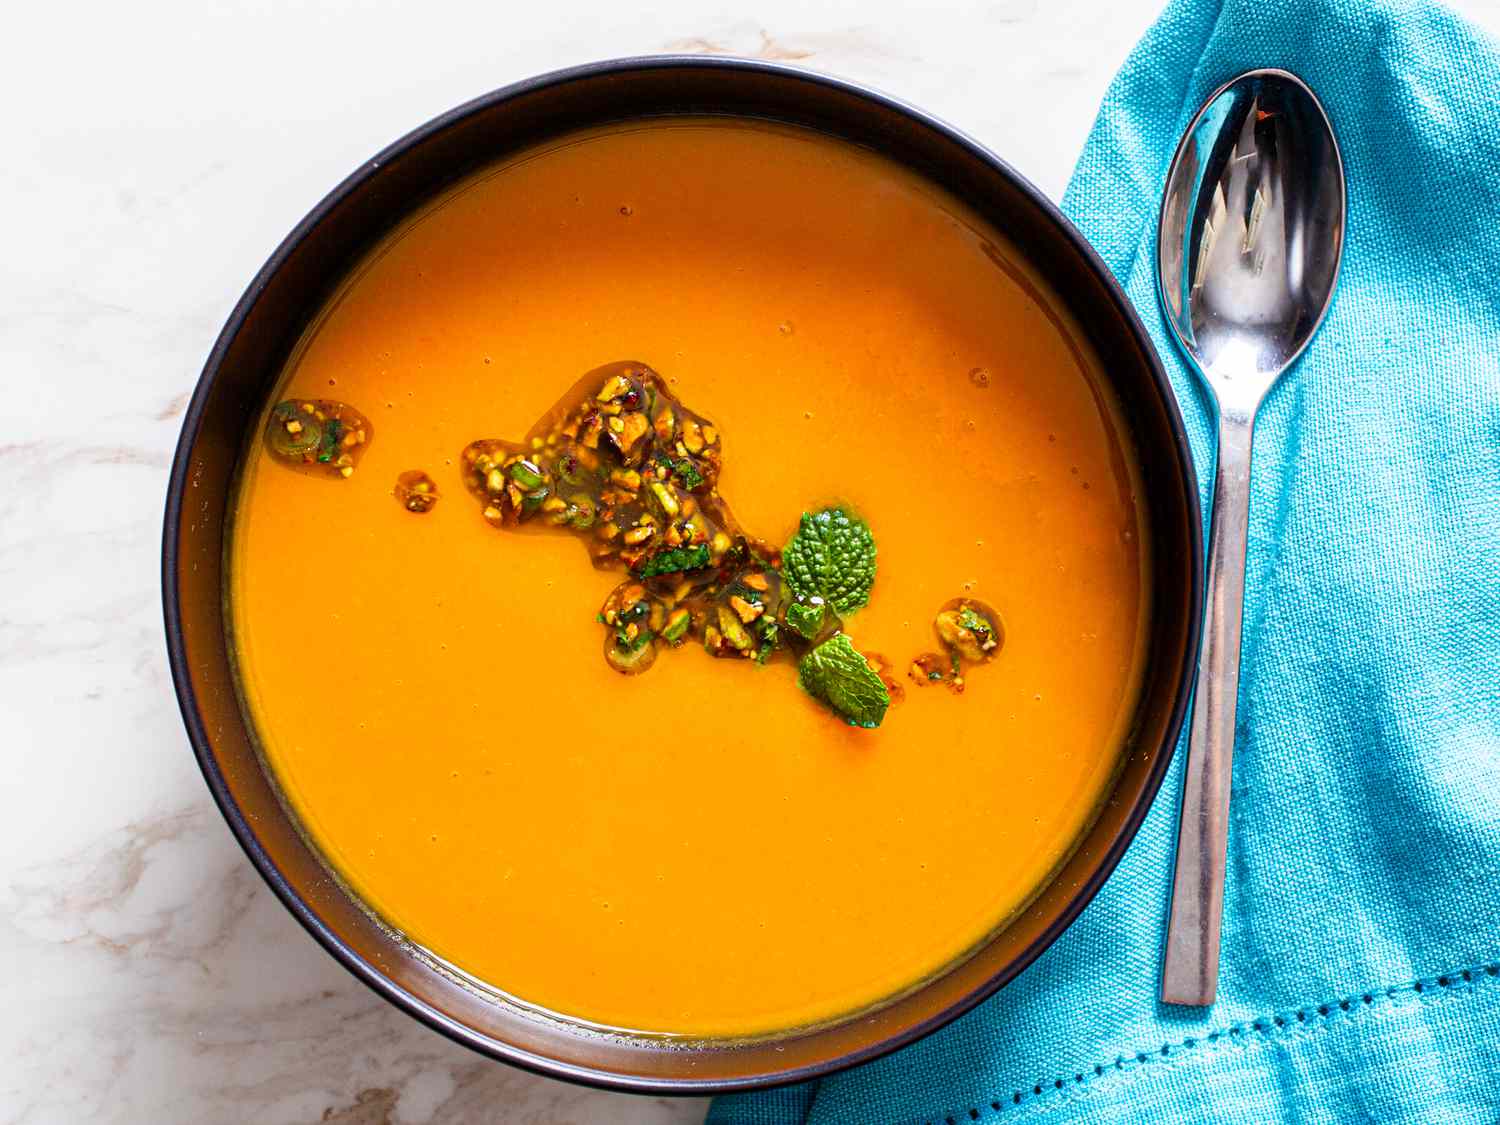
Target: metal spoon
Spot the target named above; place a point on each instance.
(1248, 247)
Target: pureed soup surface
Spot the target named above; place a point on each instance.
(702, 849)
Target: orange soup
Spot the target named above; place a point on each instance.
(703, 849)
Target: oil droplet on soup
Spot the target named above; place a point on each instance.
(764, 866)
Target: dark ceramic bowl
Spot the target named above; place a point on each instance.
(277, 307)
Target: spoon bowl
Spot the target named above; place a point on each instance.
(1251, 232)
(1249, 241)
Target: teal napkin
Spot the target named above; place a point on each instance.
(1360, 977)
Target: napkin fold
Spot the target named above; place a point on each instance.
(1360, 975)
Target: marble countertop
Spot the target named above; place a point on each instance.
(156, 157)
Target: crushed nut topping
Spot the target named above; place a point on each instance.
(624, 465)
(969, 631)
(416, 492)
(318, 435)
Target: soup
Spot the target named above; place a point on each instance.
(704, 849)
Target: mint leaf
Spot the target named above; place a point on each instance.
(838, 675)
(806, 618)
(832, 557)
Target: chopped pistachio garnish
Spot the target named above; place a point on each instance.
(416, 492)
(678, 623)
(969, 631)
(319, 436)
(624, 465)
(930, 668)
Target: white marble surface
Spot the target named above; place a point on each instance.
(155, 154)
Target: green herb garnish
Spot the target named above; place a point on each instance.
(837, 674)
(769, 632)
(329, 445)
(684, 470)
(832, 556)
(677, 560)
(627, 643)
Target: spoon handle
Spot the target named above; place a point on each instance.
(1191, 972)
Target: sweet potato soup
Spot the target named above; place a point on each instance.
(814, 458)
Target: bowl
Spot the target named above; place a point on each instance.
(289, 290)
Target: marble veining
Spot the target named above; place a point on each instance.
(151, 976)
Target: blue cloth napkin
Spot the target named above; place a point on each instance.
(1360, 976)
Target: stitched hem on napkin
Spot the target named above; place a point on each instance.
(1282, 1032)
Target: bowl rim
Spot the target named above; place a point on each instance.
(367, 973)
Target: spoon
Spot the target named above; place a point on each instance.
(1248, 246)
